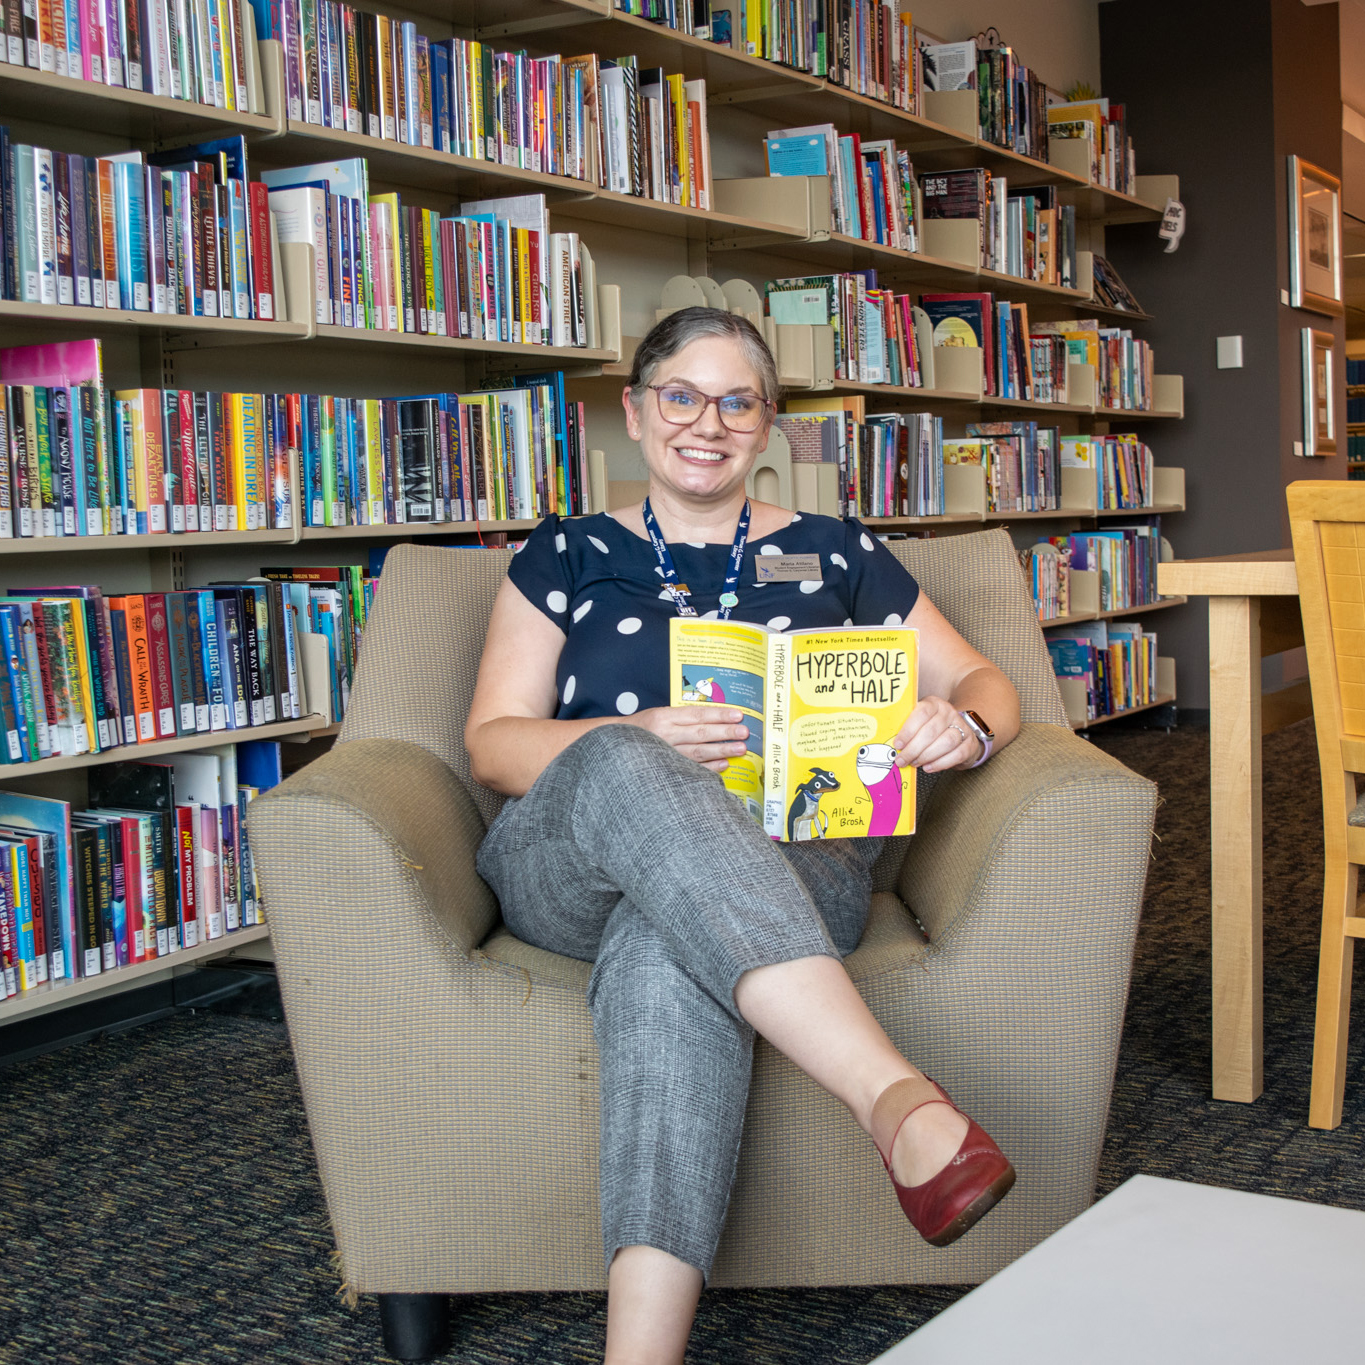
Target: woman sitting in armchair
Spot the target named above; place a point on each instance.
(622, 847)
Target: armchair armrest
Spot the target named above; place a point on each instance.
(405, 805)
(972, 821)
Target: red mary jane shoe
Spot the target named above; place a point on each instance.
(969, 1186)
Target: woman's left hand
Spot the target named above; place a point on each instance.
(935, 738)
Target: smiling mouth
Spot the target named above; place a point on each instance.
(705, 456)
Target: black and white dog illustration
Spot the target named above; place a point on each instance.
(804, 820)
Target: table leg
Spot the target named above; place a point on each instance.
(1235, 799)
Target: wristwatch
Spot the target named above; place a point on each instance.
(982, 731)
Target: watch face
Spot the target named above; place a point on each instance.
(984, 729)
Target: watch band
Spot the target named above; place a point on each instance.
(982, 732)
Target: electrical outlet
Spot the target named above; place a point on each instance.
(1229, 353)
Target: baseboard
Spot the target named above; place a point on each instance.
(117, 1013)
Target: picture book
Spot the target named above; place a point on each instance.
(822, 707)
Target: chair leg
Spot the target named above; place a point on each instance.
(415, 1326)
(1335, 958)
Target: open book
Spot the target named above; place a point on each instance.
(822, 707)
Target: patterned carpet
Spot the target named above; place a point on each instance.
(158, 1201)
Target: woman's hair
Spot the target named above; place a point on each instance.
(679, 330)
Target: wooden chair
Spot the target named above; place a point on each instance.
(1327, 519)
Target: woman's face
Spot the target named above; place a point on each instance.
(704, 460)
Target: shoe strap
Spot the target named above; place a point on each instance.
(896, 1103)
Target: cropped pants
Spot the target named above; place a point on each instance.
(628, 855)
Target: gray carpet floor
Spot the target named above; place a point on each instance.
(159, 1204)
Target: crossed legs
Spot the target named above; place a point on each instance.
(629, 855)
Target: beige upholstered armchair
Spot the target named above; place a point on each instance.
(449, 1071)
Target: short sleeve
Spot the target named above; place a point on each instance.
(540, 571)
(882, 589)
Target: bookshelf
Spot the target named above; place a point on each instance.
(757, 228)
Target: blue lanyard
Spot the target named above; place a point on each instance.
(678, 590)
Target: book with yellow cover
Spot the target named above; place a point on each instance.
(822, 707)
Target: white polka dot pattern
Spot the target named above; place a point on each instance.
(865, 541)
(839, 560)
(582, 610)
(893, 620)
(601, 545)
(810, 585)
(627, 703)
(779, 623)
(771, 550)
(556, 601)
(630, 625)
(570, 683)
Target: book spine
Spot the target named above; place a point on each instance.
(188, 901)
(778, 704)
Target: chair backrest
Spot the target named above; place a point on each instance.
(1327, 521)
(420, 656)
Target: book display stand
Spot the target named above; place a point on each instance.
(756, 228)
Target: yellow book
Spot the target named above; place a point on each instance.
(524, 265)
(677, 103)
(753, 28)
(389, 261)
(229, 53)
(474, 84)
(374, 460)
(428, 269)
(235, 449)
(822, 707)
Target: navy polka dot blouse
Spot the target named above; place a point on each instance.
(601, 585)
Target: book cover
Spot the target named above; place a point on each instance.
(822, 707)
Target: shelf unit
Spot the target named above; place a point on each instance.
(152, 350)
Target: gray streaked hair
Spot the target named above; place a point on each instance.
(679, 330)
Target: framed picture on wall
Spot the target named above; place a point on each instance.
(1314, 239)
(1319, 393)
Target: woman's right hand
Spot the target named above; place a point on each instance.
(711, 735)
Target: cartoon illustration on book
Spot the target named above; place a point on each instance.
(804, 820)
(702, 690)
(878, 773)
(822, 707)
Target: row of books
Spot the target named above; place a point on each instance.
(158, 862)
(890, 464)
(1011, 99)
(494, 271)
(1023, 463)
(1116, 660)
(872, 187)
(514, 451)
(1355, 407)
(1355, 371)
(180, 232)
(85, 673)
(199, 50)
(1103, 127)
(1124, 559)
(76, 461)
(1028, 234)
(875, 340)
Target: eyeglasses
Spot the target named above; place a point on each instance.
(680, 406)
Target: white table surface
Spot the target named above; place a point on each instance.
(1163, 1271)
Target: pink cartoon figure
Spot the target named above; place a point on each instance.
(877, 772)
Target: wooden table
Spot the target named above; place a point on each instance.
(1253, 612)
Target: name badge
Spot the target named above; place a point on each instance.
(787, 568)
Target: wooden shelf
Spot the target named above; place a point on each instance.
(13, 772)
(71, 317)
(62, 993)
(357, 337)
(1084, 513)
(1164, 700)
(949, 519)
(1114, 614)
(184, 540)
(415, 528)
(47, 98)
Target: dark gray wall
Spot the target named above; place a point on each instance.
(1217, 92)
